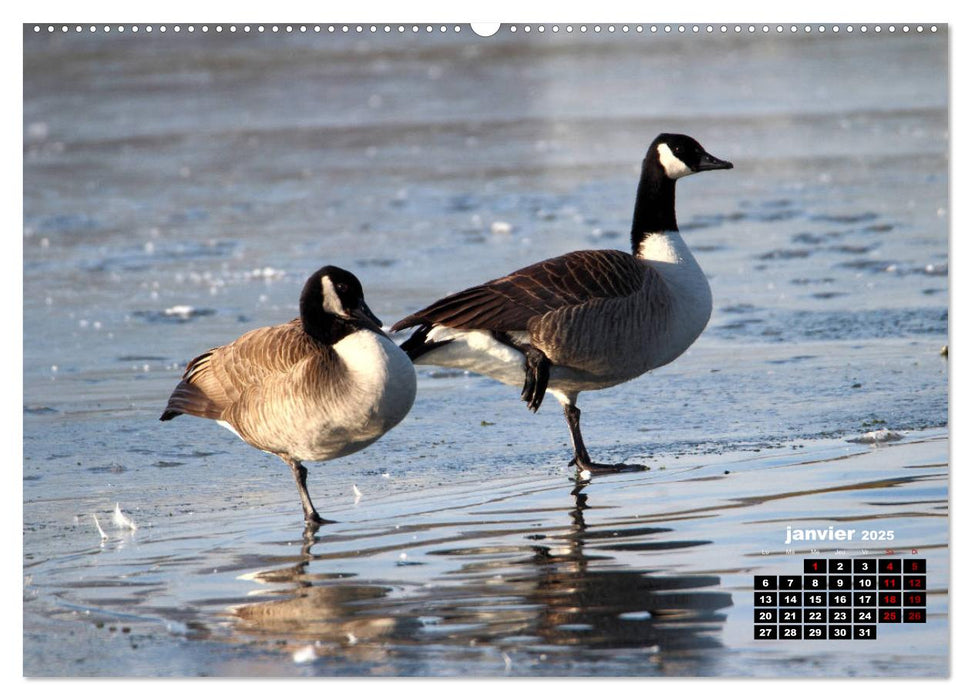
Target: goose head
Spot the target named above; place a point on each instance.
(332, 305)
(679, 155)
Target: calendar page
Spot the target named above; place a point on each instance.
(546, 349)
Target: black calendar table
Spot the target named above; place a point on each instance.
(840, 598)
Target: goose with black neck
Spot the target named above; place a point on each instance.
(322, 386)
(586, 320)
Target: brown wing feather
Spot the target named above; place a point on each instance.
(596, 336)
(217, 379)
(508, 303)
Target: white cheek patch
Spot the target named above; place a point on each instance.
(332, 302)
(673, 166)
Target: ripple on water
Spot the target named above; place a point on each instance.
(838, 324)
(857, 218)
(39, 410)
(785, 254)
(181, 313)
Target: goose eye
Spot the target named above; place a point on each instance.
(341, 287)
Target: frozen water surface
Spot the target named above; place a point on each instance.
(178, 189)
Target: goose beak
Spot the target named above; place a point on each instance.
(366, 317)
(709, 162)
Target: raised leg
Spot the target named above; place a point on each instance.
(536, 367)
(537, 378)
(581, 459)
(310, 514)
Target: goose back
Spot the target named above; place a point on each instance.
(509, 303)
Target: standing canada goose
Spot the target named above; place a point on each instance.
(588, 319)
(319, 387)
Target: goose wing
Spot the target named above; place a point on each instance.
(217, 379)
(607, 336)
(508, 303)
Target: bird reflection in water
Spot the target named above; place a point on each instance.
(325, 610)
(564, 590)
(584, 603)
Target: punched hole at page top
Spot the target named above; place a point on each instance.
(485, 28)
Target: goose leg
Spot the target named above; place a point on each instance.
(537, 377)
(581, 459)
(310, 514)
(536, 367)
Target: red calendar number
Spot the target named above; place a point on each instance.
(915, 615)
(915, 599)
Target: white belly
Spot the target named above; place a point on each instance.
(480, 352)
(476, 351)
(377, 394)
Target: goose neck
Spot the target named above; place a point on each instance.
(654, 206)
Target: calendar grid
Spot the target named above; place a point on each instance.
(840, 599)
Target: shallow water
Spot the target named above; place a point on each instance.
(177, 190)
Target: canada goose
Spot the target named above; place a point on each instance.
(588, 319)
(319, 387)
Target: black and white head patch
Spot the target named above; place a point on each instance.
(332, 301)
(673, 166)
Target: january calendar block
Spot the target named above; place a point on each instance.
(840, 599)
